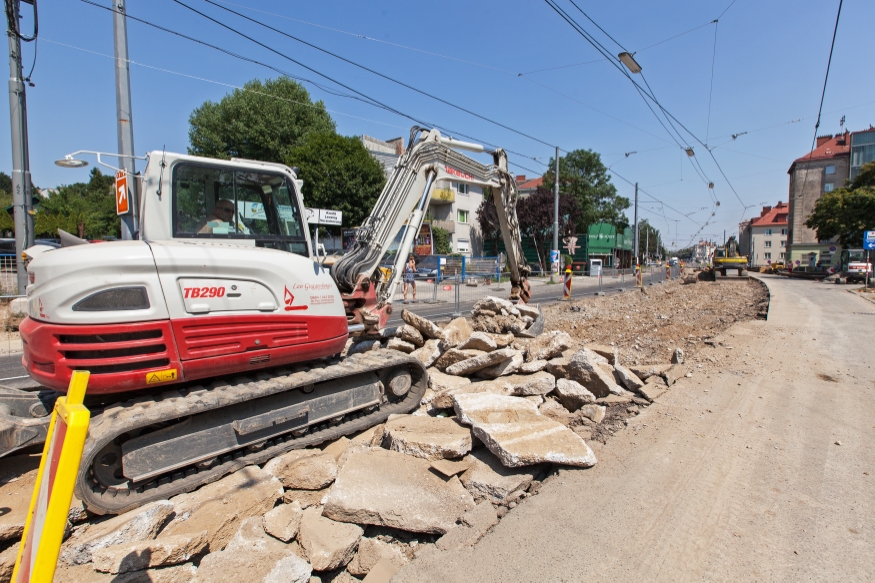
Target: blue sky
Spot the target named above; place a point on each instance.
(767, 77)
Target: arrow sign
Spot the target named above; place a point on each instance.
(122, 196)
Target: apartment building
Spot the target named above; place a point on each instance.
(764, 238)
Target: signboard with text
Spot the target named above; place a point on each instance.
(869, 240)
(324, 217)
(122, 195)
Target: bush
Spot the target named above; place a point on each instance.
(441, 238)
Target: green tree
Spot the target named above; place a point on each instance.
(441, 238)
(262, 121)
(649, 239)
(338, 173)
(846, 212)
(582, 175)
(85, 209)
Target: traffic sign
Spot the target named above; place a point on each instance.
(324, 217)
(53, 490)
(122, 195)
(869, 240)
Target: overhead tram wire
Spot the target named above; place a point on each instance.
(348, 61)
(364, 97)
(711, 87)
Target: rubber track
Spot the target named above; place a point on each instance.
(144, 411)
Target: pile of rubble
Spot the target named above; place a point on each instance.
(500, 412)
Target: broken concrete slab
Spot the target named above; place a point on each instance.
(528, 310)
(522, 385)
(429, 352)
(646, 371)
(427, 437)
(283, 521)
(482, 517)
(594, 413)
(450, 468)
(473, 525)
(496, 305)
(440, 382)
(139, 555)
(674, 372)
(304, 469)
(609, 353)
(480, 341)
(488, 479)
(410, 334)
(253, 559)
(140, 524)
(336, 447)
(505, 367)
(501, 340)
(391, 489)
(444, 400)
(555, 411)
(329, 544)
(558, 367)
(585, 369)
(382, 572)
(455, 333)
(7, 562)
(677, 356)
(472, 365)
(306, 498)
(400, 345)
(532, 367)
(627, 378)
(428, 328)
(364, 346)
(370, 552)
(454, 355)
(653, 389)
(547, 345)
(514, 432)
(221, 506)
(572, 394)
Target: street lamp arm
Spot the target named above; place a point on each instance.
(71, 158)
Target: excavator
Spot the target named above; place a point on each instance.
(728, 257)
(214, 340)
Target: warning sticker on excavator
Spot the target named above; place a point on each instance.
(161, 376)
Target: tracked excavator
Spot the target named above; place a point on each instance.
(214, 340)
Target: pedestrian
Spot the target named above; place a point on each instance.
(409, 277)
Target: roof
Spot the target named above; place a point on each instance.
(530, 184)
(833, 147)
(777, 215)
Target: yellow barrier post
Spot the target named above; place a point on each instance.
(639, 282)
(53, 491)
(567, 285)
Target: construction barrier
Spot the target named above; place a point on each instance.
(639, 280)
(567, 284)
(53, 490)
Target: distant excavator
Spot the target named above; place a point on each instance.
(728, 257)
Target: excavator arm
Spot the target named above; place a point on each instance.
(429, 157)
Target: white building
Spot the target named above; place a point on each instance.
(764, 238)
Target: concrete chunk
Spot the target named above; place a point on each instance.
(514, 432)
(502, 340)
(522, 385)
(428, 328)
(370, 552)
(585, 369)
(480, 341)
(454, 355)
(410, 334)
(329, 544)
(496, 305)
(427, 437)
(364, 346)
(532, 367)
(400, 345)
(488, 478)
(440, 382)
(505, 367)
(627, 378)
(646, 371)
(482, 361)
(450, 468)
(141, 524)
(674, 372)
(677, 356)
(572, 394)
(594, 413)
(304, 469)
(609, 353)
(653, 389)
(382, 572)
(455, 333)
(444, 400)
(283, 521)
(391, 489)
(548, 345)
(429, 352)
(139, 555)
(7, 562)
(220, 507)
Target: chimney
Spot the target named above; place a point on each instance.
(520, 178)
(765, 210)
(821, 140)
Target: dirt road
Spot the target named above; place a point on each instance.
(758, 468)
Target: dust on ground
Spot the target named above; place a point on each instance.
(647, 326)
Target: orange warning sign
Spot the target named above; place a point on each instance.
(122, 196)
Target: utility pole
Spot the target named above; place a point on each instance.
(130, 220)
(555, 214)
(636, 223)
(22, 200)
(646, 244)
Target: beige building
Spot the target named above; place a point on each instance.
(764, 238)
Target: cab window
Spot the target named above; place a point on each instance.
(212, 202)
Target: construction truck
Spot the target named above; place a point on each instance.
(855, 265)
(214, 340)
(727, 257)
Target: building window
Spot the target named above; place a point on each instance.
(784, 244)
(830, 170)
(828, 187)
(767, 255)
(768, 244)
(462, 216)
(783, 231)
(462, 188)
(783, 255)
(768, 232)
(464, 245)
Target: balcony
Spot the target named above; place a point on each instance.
(443, 196)
(448, 226)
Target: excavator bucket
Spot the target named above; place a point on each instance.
(537, 326)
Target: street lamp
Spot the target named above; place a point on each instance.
(628, 59)
(69, 161)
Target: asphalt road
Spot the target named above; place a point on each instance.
(758, 468)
